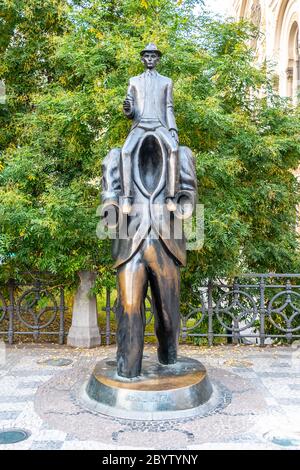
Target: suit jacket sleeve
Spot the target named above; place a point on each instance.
(130, 97)
(111, 181)
(171, 121)
(188, 177)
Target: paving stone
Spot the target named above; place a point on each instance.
(294, 386)
(90, 445)
(46, 445)
(270, 357)
(51, 435)
(16, 399)
(32, 384)
(278, 375)
(34, 372)
(44, 400)
(6, 415)
(281, 365)
(289, 401)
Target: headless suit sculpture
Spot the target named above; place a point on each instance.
(151, 183)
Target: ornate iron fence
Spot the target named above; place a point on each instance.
(32, 308)
(255, 308)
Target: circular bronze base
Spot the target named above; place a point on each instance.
(161, 392)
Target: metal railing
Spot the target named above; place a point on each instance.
(255, 308)
(32, 308)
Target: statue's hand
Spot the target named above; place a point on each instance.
(127, 107)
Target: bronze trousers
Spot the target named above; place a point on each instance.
(152, 265)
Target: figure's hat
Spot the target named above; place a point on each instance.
(151, 48)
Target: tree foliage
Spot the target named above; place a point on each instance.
(66, 66)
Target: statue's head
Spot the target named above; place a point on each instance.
(150, 56)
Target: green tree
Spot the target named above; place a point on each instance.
(66, 82)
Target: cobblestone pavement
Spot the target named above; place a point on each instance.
(261, 408)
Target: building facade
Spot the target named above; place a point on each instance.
(279, 43)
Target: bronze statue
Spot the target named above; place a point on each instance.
(142, 182)
(149, 103)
